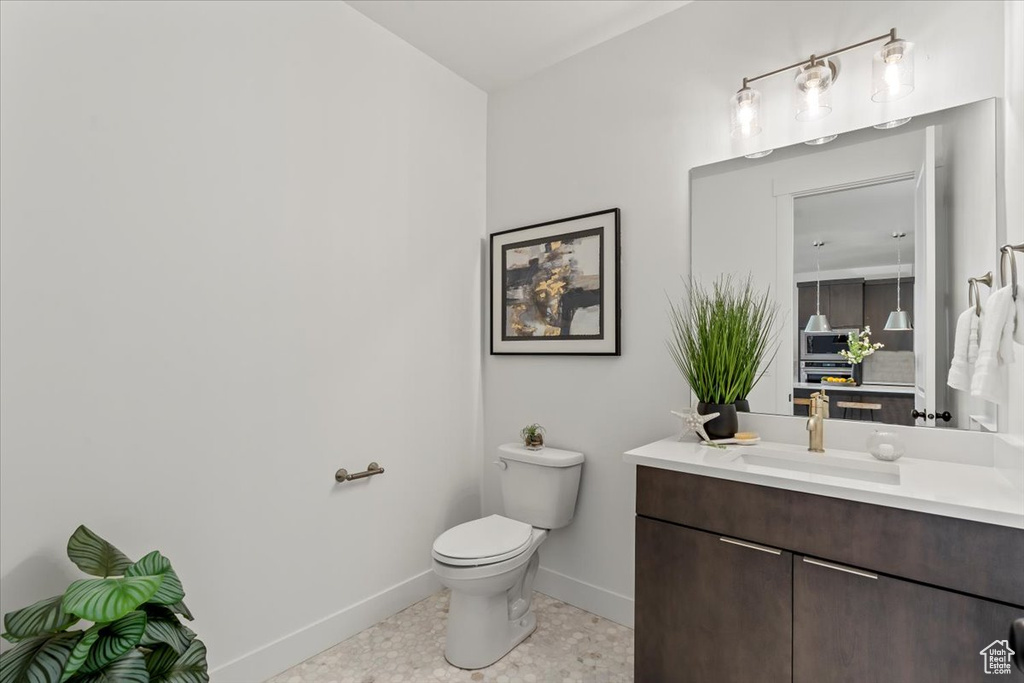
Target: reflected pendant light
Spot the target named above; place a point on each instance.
(892, 71)
(818, 322)
(899, 320)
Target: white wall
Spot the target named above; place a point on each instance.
(621, 125)
(240, 250)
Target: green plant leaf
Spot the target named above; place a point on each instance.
(131, 668)
(115, 639)
(180, 608)
(167, 666)
(38, 660)
(106, 600)
(79, 654)
(95, 556)
(155, 564)
(163, 627)
(46, 616)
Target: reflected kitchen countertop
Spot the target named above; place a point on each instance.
(902, 389)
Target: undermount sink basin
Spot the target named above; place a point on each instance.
(822, 463)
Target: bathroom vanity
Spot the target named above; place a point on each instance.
(769, 565)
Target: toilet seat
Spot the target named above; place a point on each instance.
(483, 541)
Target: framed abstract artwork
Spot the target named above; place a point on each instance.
(555, 287)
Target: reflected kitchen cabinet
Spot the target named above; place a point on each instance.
(879, 301)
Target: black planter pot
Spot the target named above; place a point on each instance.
(858, 374)
(725, 425)
(742, 405)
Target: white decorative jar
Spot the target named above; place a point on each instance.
(886, 445)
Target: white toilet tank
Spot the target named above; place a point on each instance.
(539, 487)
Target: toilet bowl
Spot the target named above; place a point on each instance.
(489, 613)
(489, 564)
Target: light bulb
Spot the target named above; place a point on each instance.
(745, 107)
(812, 90)
(892, 71)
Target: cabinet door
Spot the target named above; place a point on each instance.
(879, 301)
(807, 303)
(710, 609)
(853, 626)
(846, 304)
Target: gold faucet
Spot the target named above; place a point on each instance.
(818, 411)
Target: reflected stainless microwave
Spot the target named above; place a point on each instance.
(825, 345)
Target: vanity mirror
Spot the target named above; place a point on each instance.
(880, 228)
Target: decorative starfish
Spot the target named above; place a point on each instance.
(694, 422)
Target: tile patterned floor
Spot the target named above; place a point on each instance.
(569, 646)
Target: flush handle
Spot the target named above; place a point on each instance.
(501, 464)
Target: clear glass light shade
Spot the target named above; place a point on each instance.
(892, 71)
(895, 123)
(818, 323)
(759, 155)
(821, 141)
(899, 321)
(745, 107)
(813, 99)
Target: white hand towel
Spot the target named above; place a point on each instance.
(1018, 330)
(974, 340)
(995, 351)
(960, 369)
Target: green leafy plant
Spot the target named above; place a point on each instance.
(135, 636)
(859, 346)
(724, 338)
(532, 435)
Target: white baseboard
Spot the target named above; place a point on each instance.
(296, 647)
(594, 599)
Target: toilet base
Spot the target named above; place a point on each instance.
(489, 616)
(474, 644)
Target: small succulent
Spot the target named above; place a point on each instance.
(533, 435)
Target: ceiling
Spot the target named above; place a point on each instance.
(493, 43)
(856, 226)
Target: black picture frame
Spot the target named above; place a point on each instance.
(546, 329)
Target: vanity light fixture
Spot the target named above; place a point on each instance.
(892, 78)
(892, 70)
(818, 322)
(899, 320)
(759, 155)
(822, 140)
(746, 112)
(813, 100)
(895, 123)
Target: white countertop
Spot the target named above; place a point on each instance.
(864, 388)
(951, 489)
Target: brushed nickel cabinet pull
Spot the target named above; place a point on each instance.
(752, 546)
(840, 568)
(342, 475)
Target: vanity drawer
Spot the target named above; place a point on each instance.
(980, 559)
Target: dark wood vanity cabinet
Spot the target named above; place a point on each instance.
(703, 593)
(740, 582)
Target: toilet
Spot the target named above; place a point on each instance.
(490, 563)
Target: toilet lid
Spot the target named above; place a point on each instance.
(490, 539)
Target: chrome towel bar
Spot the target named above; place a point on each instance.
(373, 468)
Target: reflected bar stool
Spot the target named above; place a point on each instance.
(860, 408)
